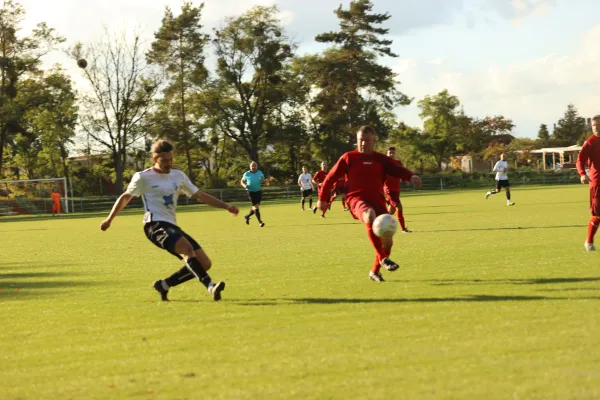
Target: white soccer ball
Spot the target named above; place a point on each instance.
(385, 226)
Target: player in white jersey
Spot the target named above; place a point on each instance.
(306, 187)
(501, 170)
(160, 187)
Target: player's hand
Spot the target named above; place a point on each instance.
(105, 224)
(416, 180)
(584, 179)
(233, 210)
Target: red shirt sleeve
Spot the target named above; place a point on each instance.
(396, 169)
(583, 157)
(339, 169)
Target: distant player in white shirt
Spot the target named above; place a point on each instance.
(306, 187)
(160, 187)
(501, 170)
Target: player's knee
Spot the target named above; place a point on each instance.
(255, 207)
(369, 216)
(387, 243)
(184, 247)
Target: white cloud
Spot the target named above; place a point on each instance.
(531, 93)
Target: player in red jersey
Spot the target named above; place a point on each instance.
(339, 188)
(317, 180)
(365, 172)
(391, 188)
(589, 156)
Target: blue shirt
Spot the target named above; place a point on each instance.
(253, 180)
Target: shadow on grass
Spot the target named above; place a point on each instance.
(537, 281)
(18, 285)
(23, 230)
(28, 265)
(508, 228)
(482, 298)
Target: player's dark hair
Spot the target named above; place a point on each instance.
(391, 148)
(596, 117)
(366, 129)
(162, 146)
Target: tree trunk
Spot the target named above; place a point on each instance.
(119, 167)
(3, 134)
(188, 156)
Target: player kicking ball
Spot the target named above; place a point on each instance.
(160, 187)
(501, 170)
(365, 171)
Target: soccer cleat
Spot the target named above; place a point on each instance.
(261, 224)
(589, 246)
(322, 216)
(329, 207)
(376, 277)
(247, 218)
(159, 288)
(488, 194)
(389, 264)
(314, 210)
(510, 204)
(216, 290)
(345, 209)
(406, 230)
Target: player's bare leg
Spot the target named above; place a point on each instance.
(491, 192)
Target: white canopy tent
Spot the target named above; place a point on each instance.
(566, 155)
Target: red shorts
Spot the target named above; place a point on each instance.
(393, 199)
(358, 206)
(595, 200)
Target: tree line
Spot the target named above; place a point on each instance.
(259, 100)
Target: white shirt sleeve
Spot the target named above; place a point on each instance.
(136, 186)
(187, 187)
(497, 167)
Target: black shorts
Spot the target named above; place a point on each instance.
(307, 193)
(502, 184)
(255, 197)
(165, 235)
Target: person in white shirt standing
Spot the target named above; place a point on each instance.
(501, 170)
(306, 187)
(160, 187)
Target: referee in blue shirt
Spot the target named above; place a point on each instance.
(252, 182)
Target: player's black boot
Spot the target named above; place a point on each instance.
(159, 288)
(216, 290)
(389, 264)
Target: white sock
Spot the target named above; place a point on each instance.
(210, 286)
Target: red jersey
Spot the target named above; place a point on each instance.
(365, 175)
(589, 156)
(392, 183)
(55, 197)
(339, 184)
(319, 177)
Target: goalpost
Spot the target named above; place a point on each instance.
(33, 196)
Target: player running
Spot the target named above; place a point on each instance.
(365, 171)
(501, 170)
(339, 188)
(589, 156)
(317, 180)
(391, 188)
(306, 187)
(252, 181)
(160, 187)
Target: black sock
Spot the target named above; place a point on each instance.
(194, 266)
(257, 211)
(179, 277)
(508, 194)
(303, 203)
(309, 203)
(493, 192)
(251, 213)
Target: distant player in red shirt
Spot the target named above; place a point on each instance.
(391, 187)
(365, 172)
(589, 156)
(317, 180)
(339, 188)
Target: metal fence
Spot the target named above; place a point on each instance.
(282, 193)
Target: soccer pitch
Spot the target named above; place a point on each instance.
(491, 302)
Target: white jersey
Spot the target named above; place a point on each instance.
(160, 192)
(305, 181)
(501, 170)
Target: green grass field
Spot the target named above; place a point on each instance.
(491, 302)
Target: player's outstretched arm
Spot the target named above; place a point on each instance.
(120, 204)
(213, 201)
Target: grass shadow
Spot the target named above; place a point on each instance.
(509, 228)
(535, 281)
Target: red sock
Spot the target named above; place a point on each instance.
(376, 265)
(376, 242)
(401, 219)
(592, 228)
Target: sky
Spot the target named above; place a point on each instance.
(523, 59)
